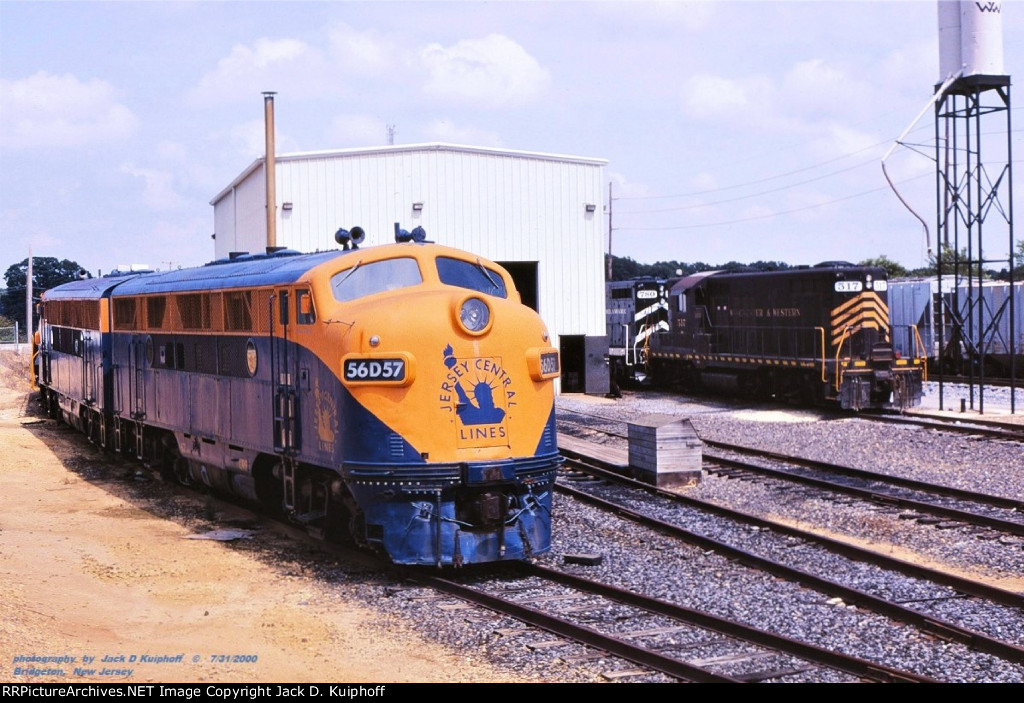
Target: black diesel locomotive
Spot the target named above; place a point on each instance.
(400, 394)
(636, 310)
(811, 335)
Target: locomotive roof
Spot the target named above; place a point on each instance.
(829, 270)
(87, 288)
(242, 271)
(245, 271)
(688, 282)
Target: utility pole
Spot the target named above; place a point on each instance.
(609, 231)
(28, 302)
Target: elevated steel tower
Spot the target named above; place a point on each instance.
(974, 188)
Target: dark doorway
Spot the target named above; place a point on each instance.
(571, 350)
(524, 273)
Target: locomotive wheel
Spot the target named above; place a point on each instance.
(51, 406)
(181, 471)
(269, 490)
(168, 457)
(356, 522)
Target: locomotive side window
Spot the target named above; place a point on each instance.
(367, 279)
(466, 274)
(238, 311)
(283, 307)
(304, 312)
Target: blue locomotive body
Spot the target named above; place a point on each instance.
(321, 386)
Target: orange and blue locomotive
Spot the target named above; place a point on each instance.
(400, 395)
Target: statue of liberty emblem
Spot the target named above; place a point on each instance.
(479, 391)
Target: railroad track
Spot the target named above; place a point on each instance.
(649, 506)
(666, 642)
(642, 638)
(970, 425)
(929, 501)
(924, 498)
(670, 642)
(597, 621)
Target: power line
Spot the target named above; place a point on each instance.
(774, 214)
(746, 197)
(777, 176)
(759, 180)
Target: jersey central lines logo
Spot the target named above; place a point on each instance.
(478, 391)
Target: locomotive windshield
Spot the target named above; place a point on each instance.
(375, 277)
(474, 276)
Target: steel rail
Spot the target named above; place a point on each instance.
(949, 631)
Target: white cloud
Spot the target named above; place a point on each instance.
(492, 72)
(175, 152)
(45, 110)
(443, 130)
(703, 181)
(362, 53)
(249, 140)
(709, 97)
(622, 187)
(677, 14)
(266, 65)
(348, 131)
(159, 192)
(837, 139)
(178, 243)
(815, 86)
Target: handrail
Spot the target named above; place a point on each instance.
(847, 332)
(646, 347)
(824, 372)
(920, 352)
(34, 352)
(32, 372)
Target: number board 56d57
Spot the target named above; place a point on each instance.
(389, 370)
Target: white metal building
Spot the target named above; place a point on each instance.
(539, 215)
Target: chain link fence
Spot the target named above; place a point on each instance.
(9, 335)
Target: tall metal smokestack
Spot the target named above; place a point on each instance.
(268, 118)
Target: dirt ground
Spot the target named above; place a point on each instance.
(87, 573)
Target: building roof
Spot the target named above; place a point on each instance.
(405, 148)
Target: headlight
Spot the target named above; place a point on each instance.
(474, 315)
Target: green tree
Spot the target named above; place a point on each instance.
(626, 268)
(47, 272)
(770, 265)
(892, 268)
(953, 262)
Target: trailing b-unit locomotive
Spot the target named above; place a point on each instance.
(811, 335)
(400, 394)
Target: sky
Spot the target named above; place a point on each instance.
(733, 131)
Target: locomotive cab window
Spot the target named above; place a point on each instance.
(474, 276)
(305, 314)
(376, 277)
